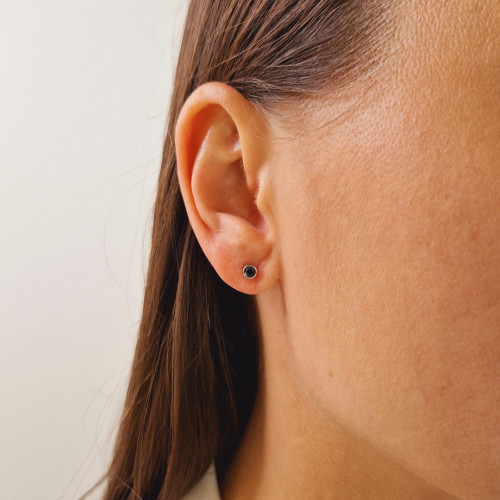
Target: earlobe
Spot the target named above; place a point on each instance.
(220, 146)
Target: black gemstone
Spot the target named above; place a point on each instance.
(249, 271)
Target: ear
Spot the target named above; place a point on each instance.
(221, 142)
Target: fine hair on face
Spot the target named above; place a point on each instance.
(348, 150)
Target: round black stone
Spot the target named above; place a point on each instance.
(249, 271)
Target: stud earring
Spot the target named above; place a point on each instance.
(249, 272)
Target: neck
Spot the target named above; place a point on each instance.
(292, 449)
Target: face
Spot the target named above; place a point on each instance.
(393, 289)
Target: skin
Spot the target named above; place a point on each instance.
(377, 242)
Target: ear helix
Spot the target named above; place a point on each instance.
(250, 272)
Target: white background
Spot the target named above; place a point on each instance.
(84, 91)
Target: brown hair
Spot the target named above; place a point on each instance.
(195, 370)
